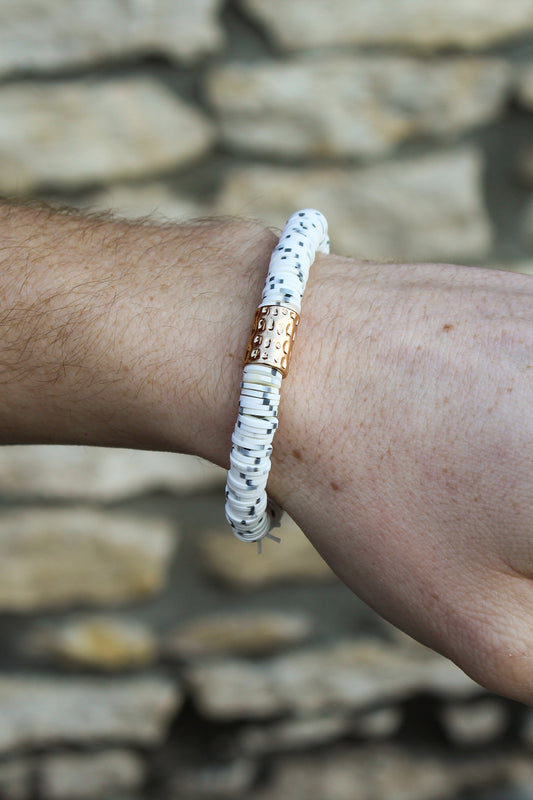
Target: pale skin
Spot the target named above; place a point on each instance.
(405, 445)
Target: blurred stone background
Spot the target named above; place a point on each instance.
(144, 652)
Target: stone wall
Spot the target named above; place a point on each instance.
(144, 652)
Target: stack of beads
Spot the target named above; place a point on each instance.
(249, 511)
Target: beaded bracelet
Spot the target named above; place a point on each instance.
(249, 511)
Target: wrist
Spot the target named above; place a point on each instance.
(192, 336)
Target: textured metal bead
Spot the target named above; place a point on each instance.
(272, 337)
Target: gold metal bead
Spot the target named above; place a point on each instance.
(272, 336)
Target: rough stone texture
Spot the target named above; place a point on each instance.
(362, 106)
(73, 737)
(240, 633)
(230, 561)
(49, 34)
(375, 773)
(347, 675)
(301, 24)
(90, 776)
(153, 201)
(427, 208)
(100, 473)
(53, 558)
(100, 642)
(476, 723)
(38, 711)
(78, 132)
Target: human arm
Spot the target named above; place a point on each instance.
(122, 334)
(406, 435)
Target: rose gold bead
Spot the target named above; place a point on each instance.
(272, 336)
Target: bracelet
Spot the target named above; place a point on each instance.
(249, 511)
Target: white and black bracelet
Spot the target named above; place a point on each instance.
(249, 511)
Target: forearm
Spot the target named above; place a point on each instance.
(405, 441)
(121, 334)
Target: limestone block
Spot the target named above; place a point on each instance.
(153, 201)
(425, 208)
(69, 133)
(100, 642)
(100, 473)
(236, 564)
(378, 723)
(303, 24)
(384, 771)
(295, 733)
(51, 34)
(352, 106)
(346, 675)
(89, 776)
(38, 711)
(68, 776)
(54, 558)
(238, 633)
(475, 724)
